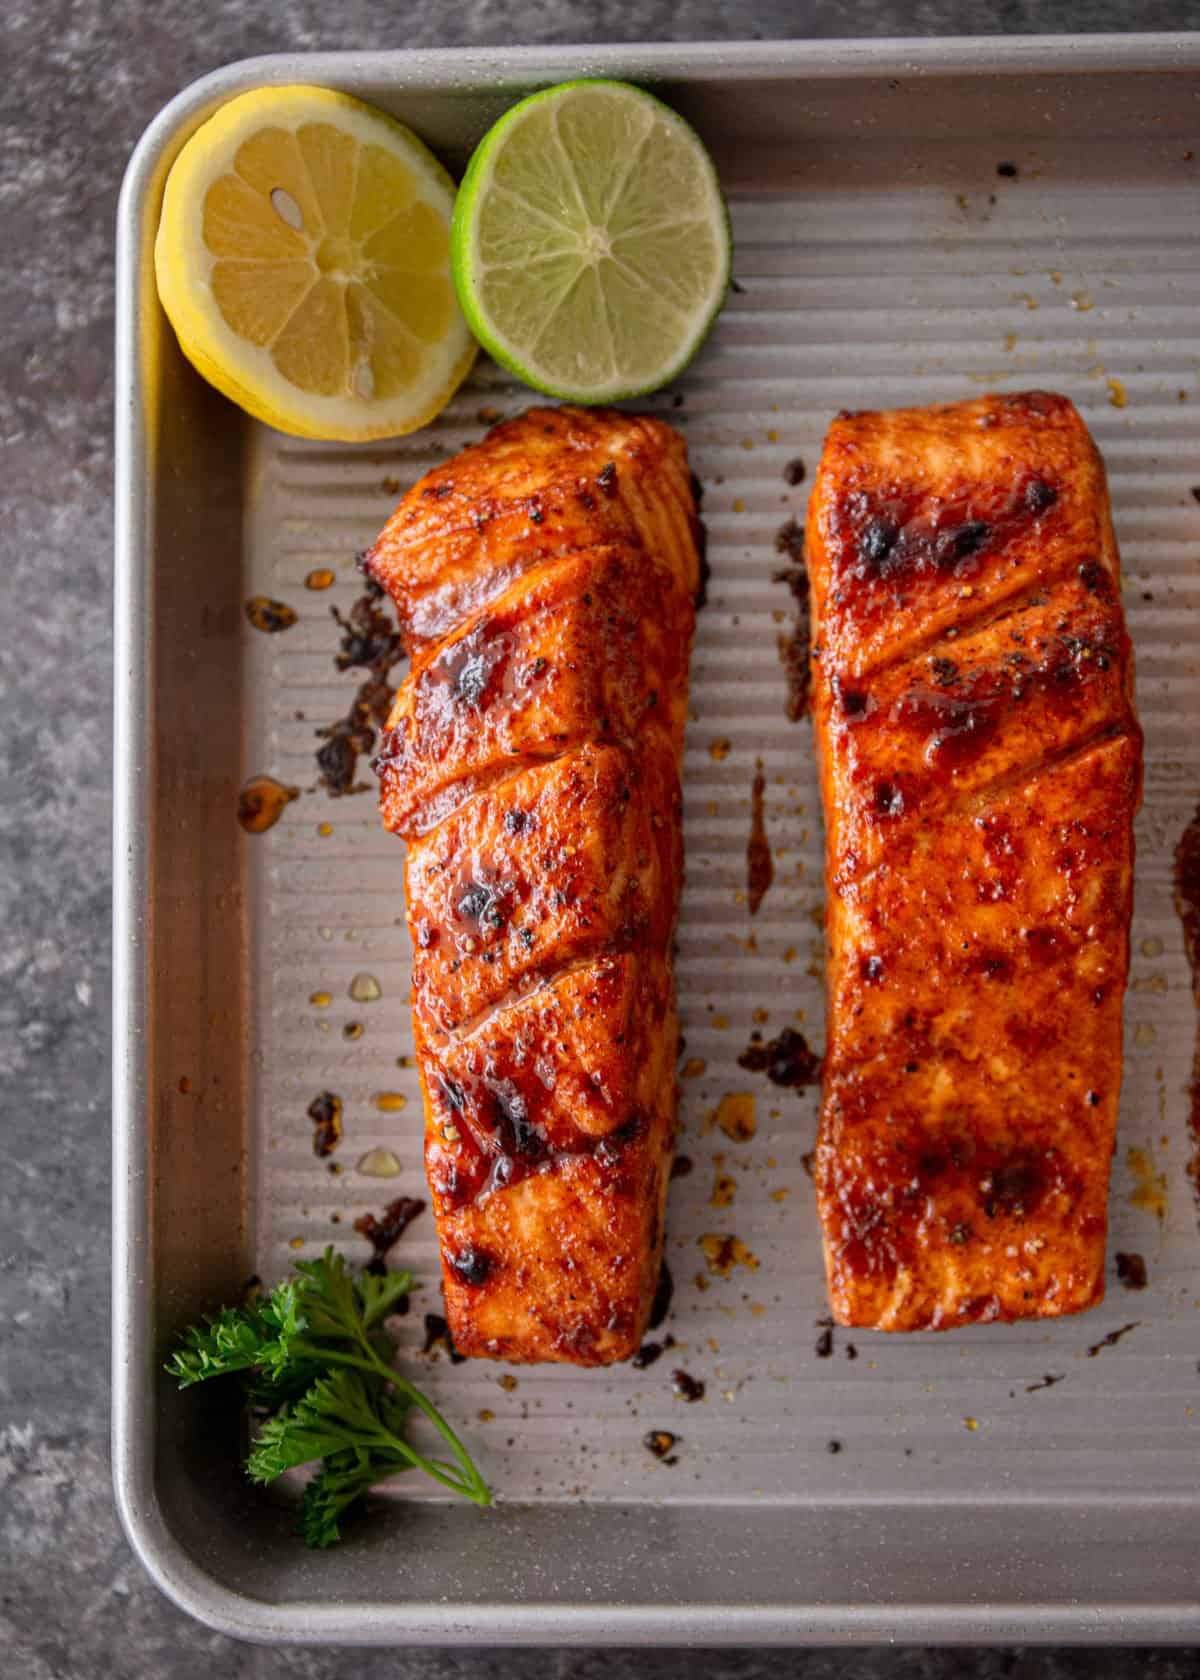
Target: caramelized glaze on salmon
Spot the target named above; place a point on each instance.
(545, 581)
(981, 768)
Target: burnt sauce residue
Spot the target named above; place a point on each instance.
(437, 1334)
(268, 615)
(760, 869)
(1131, 1271)
(788, 1060)
(325, 1112)
(384, 1232)
(1111, 1340)
(369, 642)
(1187, 903)
(660, 1442)
(664, 1294)
(686, 1386)
(795, 647)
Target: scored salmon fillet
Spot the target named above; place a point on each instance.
(981, 768)
(546, 581)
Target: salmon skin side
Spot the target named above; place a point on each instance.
(545, 581)
(981, 766)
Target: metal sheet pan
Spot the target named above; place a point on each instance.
(881, 258)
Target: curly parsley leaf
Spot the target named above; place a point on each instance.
(313, 1355)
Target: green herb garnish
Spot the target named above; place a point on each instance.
(314, 1356)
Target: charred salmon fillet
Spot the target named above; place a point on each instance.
(981, 768)
(545, 581)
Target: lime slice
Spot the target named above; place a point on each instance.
(590, 244)
(303, 258)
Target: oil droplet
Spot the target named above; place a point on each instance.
(320, 578)
(723, 1191)
(486, 1414)
(719, 749)
(390, 1102)
(325, 829)
(269, 616)
(364, 988)
(747, 443)
(723, 1253)
(1152, 947)
(739, 505)
(379, 1163)
(772, 436)
(1010, 341)
(780, 1195)
(261, 803)
(735, 1115)
(762, 1016)
(789, 956)
(972, 1424)
(693, 1068)
(1116, 393)
(507, 1382)
(1150, 1186)
(720, 1022)
(320, 1000)
(1144, 1035)
(296, 1242)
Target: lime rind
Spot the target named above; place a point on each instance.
(597, 283)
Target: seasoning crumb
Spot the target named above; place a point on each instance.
(686, 1386)
(660, 1442)
(693, 1068)
(321, 577)
(508, 1382)
(719, 749)
(1116, 393)
(325, 829)
(971, 1423)
(353, 1030)
(389, 1102)
(320, 1000)
(1048, 1381)
(486, 1414)
(723, 1253)
(723, 1191)
(735, 1115)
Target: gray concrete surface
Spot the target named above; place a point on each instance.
(82, 77)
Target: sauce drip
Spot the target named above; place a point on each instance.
(760, 869)
(1187, 903)
(261, 803)
(269, 616)
(795, 648)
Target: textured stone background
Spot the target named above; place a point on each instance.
(82, 79)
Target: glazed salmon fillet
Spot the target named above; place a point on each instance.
(545, 581)
(981, 769)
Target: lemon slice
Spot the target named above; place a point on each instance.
(303, 258)
(591, 241)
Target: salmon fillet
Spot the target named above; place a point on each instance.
(545, 581)
(981, 768)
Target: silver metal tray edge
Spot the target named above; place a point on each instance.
(971, 1614)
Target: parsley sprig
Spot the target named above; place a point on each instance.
(314, 1356)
